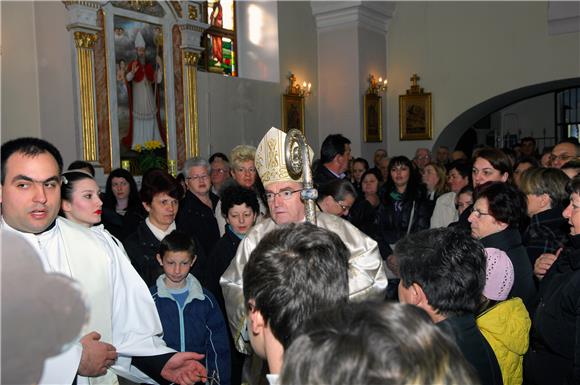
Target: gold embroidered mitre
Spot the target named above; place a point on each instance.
(270, 159)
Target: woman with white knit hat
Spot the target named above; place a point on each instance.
(505, 323)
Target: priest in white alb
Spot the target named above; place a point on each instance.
(122, 333)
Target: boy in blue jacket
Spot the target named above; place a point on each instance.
(191, 318)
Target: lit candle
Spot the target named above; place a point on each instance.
(126, 165)
(309, 86)
(173, 167)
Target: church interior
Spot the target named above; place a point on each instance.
(505, 70)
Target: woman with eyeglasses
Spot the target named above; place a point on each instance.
(244, 174)
(497, 216)
(489, 165)
(336, 197)
(196, 212)
(160, 193)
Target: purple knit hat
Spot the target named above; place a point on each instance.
(499, 275)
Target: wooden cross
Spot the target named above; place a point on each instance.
(414, 79)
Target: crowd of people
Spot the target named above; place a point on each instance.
(442, 268)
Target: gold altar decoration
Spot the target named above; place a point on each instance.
(190, 73)
(85, 42)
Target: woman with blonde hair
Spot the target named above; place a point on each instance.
(435, 179)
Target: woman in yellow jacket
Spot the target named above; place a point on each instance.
(505, 323)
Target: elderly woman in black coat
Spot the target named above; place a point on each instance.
(554, 354)
(497, 216)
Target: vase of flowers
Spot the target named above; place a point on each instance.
(151, 154)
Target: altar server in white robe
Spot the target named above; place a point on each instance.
(122, 334)
(367, 277)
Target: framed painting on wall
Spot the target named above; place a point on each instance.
(373, 124)
(292, 112)
(140, 88)
(415, 113)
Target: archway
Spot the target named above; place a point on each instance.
(455, 130)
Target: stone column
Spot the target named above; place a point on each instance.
(352, 43)
(191, 34)
(83, 27)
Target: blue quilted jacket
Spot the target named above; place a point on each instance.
(197, 327)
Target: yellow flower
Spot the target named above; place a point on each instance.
(137, 148)
(152, 145)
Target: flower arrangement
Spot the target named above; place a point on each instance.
(150, 154)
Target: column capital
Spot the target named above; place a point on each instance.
(82, 15)
(191, 33)
(190, 58)
(85, 39)
(330, 15)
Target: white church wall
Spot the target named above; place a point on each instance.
(257, 24)
(297, 49)
(234, 111)
(468, 52)
(20, 103)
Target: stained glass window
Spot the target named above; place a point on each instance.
(220, 39)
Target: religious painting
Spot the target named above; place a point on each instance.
(292, 112)
(415, 113)
(220, 38)
(415, 117)
(140, 90)
(373, 125)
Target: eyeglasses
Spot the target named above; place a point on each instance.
(563, 157)
(285, 194)
(341, 204)
(197, 177)
(478, 213)
(218, 170)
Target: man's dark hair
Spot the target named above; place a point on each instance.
(81, 164)
(219, 155)
(367, 343)
(176, 241)
(295, 270)
(332, 146)
(448, 264)
(506, 202)
(30, 147)
(238, 195)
